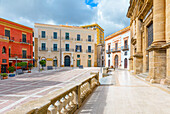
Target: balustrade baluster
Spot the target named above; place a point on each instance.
(51, 109)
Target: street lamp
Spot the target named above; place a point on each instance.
(16, 64)
(55, 62)
(39, 63)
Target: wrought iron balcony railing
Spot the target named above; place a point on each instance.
(78, 50)
(68, 49)
(25, 42)
(43, 49)
(78, 39)
(124, 48)
(55, 49)
(89, 40)
(20, 56)
(108, 51)
(89, 51)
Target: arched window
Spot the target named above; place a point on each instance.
(3, 50)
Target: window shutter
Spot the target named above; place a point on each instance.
(80, 49)
(76, 48)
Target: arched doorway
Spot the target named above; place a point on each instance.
(67, 61)
(116, 61)
(125, 63)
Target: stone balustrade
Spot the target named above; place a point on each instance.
(64, 101)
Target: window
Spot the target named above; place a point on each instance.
(9, 52)
(89, 38)
(125, 53)
(89, 48)
(54, 47)
(109, 47)
(116, 46)
(32, 34)
(43, 34)
(43, 46)
(33, 54)
(24, 38)
(55, 35)
(78, 56)
(125, 44)
(67, 47)
(55, 63)
(78, 48)
(108, 55)
(89, 56)
(3, 60)
(78, 37)
(24, 54)
(33, 43)
(7, 33)
(67, 36)
(3, 50)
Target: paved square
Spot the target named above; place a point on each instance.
(23, 88)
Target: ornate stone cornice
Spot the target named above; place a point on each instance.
(133, 41)
(138, 55)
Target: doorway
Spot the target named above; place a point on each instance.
(125, 63)
(78, 63)
(116, 61)
(3, 68)
(89, 63)
(67, 61)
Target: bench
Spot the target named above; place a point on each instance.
(19, 71)
(49, 67)
(81, 66)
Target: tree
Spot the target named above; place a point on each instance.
(11, 69)
(42, 63)
(22, 65)
(30, 66)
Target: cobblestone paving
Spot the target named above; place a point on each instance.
(27, 87)
(128, 96)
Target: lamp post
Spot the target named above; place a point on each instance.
(55, 62)
(39, 63)
(16, 64)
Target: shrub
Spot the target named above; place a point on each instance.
(42, 62)
(4, 74)
(22, 64)
(11, 69)
(30, 66)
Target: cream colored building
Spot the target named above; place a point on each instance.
(65, 46)
(150, 39)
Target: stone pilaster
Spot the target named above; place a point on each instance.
(157, 55)
(138, 58)
(36, 51)
(131, 50)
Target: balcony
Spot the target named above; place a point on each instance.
(43, 49)
(3, 37)
(20, 56)
(108, 51)
(11, 39)
(125, 48)
(40, 36)
(68, 50)
(89, 51)
(78, 50)
(87, 40)
(68, 38)
(25, 42)
(115, 50)
(78, 40)
(55, 49)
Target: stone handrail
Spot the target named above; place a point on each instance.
(63, 101)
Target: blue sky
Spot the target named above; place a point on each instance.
(109, 14)
(91, 3)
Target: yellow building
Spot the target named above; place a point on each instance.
(150, 41)
(65, 46)
(100, 42)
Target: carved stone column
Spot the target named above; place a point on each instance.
(167, 42)
(157, 54)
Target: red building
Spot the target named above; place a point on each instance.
(16, 41)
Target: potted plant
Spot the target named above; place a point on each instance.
(30, 66)
(4, 75)
(22, 65)
(42, 63)
(11, 70)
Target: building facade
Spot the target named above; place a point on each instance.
(15, 43)
(65, 46)
(117, 49)
(100, 43)
(150, 41)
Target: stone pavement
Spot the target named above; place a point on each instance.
(23, 88)
(129, 95)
